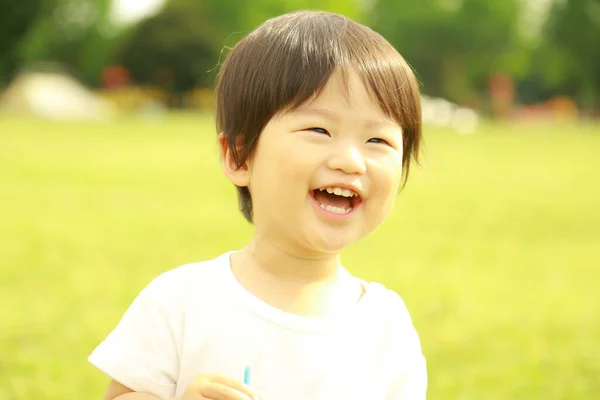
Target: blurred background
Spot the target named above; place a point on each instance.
(109, 175)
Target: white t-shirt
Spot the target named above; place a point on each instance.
(198, 319)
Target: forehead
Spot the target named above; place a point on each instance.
(345, 94)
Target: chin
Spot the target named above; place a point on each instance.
(330, 244)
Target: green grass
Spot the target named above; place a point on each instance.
(494, 245)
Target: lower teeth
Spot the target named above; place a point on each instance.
(335, 210)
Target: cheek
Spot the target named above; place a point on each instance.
(387, 174)
(385, 184)
(280, 171)
(288, 160)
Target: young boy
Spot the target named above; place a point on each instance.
(318, 120)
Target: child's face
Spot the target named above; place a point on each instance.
(341, 139)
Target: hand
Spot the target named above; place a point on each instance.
(218, 387)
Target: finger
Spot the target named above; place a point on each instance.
(218, 391)
(233, 384)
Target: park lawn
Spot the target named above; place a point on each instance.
(494, 245)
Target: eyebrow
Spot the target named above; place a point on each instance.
(325, 113)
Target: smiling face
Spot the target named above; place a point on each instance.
(326, 174)
(286, 60)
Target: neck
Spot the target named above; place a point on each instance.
(292, 266)
(299, 283)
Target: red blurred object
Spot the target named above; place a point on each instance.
(115, 77)
(502, 93)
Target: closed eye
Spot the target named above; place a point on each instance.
(379, 140)
(319, 130)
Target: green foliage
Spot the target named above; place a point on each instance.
(76, 34)
(454, 45)
(174, 49)
(231, 20)
(181, 47)
(493, 245)
(569, 58)
(16, 19)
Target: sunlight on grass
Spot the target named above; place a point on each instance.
(494, 245)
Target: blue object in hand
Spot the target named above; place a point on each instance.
(247, 376)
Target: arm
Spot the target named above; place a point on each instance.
(118, 391)
(205, 386)
(411, 384)
(139, 396)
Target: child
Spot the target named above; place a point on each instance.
(319, 118)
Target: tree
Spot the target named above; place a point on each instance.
(231, 20)
(76, 34)
(181, 47)
(173, 49)
(454, 45)
(17, 18)
(568, 60)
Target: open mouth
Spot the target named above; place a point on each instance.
(337, 200)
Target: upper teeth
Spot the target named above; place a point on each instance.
(340, 192)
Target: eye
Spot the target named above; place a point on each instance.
(319, 130)
(378, 140)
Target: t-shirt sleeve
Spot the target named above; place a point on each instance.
(411, 382)
(409, 379)
(142, 351)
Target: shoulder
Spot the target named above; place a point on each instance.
(194, 273)
(143, 351)
(394, 319)
(406, 366)
(390, 304)
(193, 278)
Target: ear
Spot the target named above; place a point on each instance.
(238, 176)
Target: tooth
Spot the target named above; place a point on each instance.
(339, 191)
(335, 210)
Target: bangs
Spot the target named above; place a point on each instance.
(315, 50)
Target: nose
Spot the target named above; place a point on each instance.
(347, 158)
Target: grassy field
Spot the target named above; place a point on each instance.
(494, 245)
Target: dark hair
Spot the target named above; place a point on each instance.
(289, 59)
